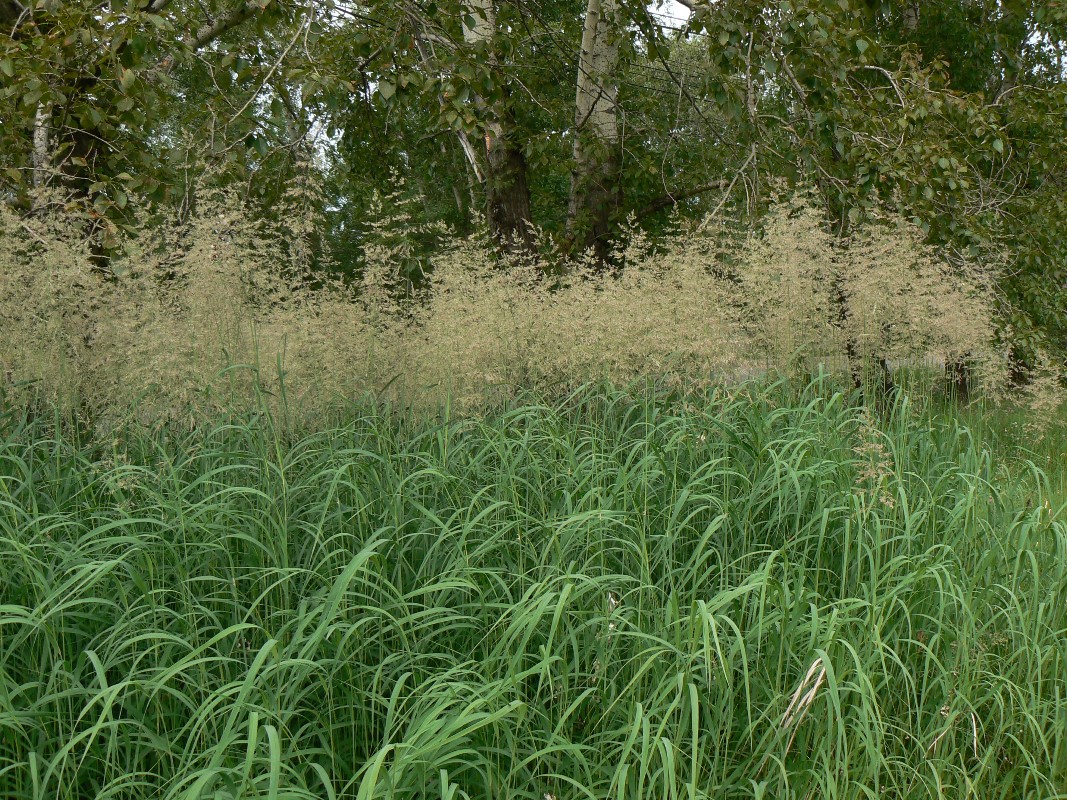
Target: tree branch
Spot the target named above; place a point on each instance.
(12, 8)
(208, 33)
(674, 198)
(227, 22)
(730, 187)
(12, 15)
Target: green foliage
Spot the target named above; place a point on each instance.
(745, 594)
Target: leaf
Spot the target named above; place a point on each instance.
(386, 89)
(127, 77)
(998, 145)
(862, 45)
(7, 67)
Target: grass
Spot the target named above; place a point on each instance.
(752, 593)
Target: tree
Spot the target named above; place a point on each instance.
(506, 190)
(595, 179)
(92, 90)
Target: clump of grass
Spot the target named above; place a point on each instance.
(743, 593)
(200, 315)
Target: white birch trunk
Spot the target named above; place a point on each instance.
(42, 146)
(594, 182)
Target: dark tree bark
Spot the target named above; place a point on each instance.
(508, 194)
(10, 12)
(507, 191)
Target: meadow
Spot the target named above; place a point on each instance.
(738, 592)
(518, 400)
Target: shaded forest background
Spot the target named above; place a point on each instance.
(370, 136)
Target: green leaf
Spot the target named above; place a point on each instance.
(998, 145)
(386, 89)
(862, 45)
(7, 67)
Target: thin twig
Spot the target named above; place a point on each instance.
(36, 236)
(729, 188)
(270, 72)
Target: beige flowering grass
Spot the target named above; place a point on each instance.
(218, 311)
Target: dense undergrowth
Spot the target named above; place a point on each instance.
(200, 315)
(751, 593)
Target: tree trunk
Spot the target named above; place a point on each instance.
(911, 17)
(507, 191)
(42, 146)
(595, 186)
(1012, 46)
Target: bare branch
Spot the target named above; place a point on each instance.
(15, 13)
(892, 80)
(270, 73)
(674, 198)
(208, 33)
(729, 188)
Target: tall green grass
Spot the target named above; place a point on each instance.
(752, 593)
